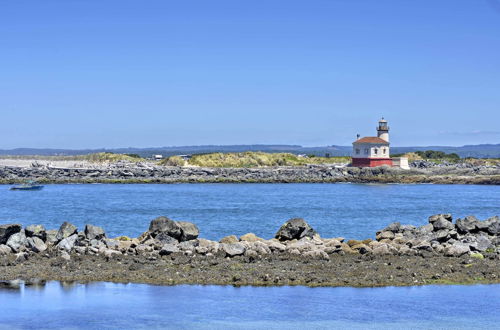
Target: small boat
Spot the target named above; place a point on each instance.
(30, 185)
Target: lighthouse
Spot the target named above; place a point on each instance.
(371, 151)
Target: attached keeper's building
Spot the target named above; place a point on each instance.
(372, 151)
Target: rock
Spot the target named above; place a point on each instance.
(442, 235)
(94, 232)
(467, 225)
(385, 235)
(7, 230)
(276, 247)
(36, 231)
(17, 242)
(231, 239)
(5, 250)
(436, 217)
(481, 244)
(424, 246)
(189, 231)
(456, 250)
(162, 239)
(165, 225)
(394, 227)
(442, 223)
(250, 237)
(66, 230)
(68, 243)
(36, 244)
(295, 228)
(51, 236)
(233, 249)
(109, 253)
(494, 227)
(111, 244)
(169, 249)
(143, 248)
(425, 230)
(361, 248)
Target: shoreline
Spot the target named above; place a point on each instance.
(133, 173)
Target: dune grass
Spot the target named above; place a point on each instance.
(253, 159)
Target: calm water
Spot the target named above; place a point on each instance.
(106, 305)
(349, 210)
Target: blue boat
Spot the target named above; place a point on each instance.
(30, 185)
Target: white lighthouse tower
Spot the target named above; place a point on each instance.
(383, 130)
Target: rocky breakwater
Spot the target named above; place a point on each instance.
(153, 173)
(170, 252)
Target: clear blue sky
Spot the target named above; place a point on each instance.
(105, 73)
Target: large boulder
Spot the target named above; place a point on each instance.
(51, 236)
(36, 231)
(295, 228)
(66, 230)
(17, 242)
(229, 239)
(165, 225)
(7, 230)
(189, 231)
(234, 249)
(456, 250)
(481, 244)
(467, 224)
(436, 217)
(94, 232)
(442, 223)
(494, 225)
(68, 243)
(36, 244)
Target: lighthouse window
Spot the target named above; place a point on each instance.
(384, 150)
(357, 151)
(366, 151)
(375, 151)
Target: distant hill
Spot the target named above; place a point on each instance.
(477, 151)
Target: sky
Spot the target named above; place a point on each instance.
(149, 73)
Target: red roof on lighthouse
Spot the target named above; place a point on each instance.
(371, 139)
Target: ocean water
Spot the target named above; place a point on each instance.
(348, 210)
(139, 306)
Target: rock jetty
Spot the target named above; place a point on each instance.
(123, 172)
(171, 252)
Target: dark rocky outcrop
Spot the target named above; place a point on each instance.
(166, 226)
(7, 230)
(295, 228)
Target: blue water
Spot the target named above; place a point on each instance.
(132, 306)
(349, 210)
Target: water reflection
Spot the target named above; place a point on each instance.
(110, 305)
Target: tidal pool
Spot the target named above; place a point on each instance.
(132, 306)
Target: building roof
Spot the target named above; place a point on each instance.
(371, 139)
